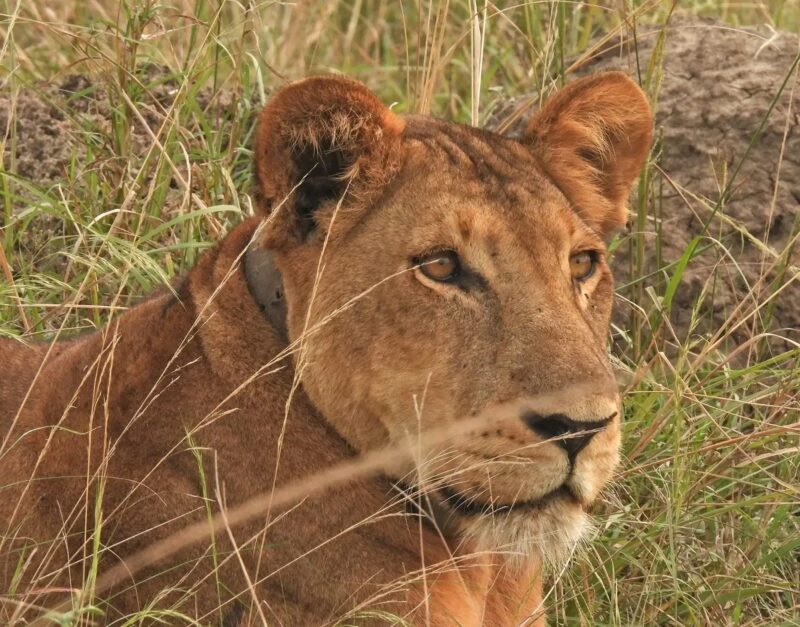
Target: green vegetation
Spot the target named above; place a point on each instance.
(150, 163)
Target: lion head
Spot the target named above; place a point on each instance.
(439, 275)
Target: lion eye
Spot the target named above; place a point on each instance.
(442, 266)
(582, 265)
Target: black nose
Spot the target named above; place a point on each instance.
(571, 435)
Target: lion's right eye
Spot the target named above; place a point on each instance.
(443, 266)
(582, 265)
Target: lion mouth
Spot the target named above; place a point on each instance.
(469, 506)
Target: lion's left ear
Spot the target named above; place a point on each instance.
(592, 138)
(321, 141)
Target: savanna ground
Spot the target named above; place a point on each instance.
(126, 130)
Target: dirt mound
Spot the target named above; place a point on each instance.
(76, 147)
(716, 90)
(51, 121)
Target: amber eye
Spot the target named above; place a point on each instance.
(442, 266)
(581, 265)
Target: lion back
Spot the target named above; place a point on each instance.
(19, 365)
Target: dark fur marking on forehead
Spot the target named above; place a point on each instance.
(464, 228)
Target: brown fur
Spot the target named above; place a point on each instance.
(382, 355)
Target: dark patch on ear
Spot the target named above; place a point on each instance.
(321, 171)
(316, 139)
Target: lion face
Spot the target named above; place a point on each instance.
(442, 279)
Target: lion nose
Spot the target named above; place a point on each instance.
(571, 435)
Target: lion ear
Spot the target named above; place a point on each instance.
(592, 138)
(320, 141)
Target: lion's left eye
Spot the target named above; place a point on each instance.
(443, 266)
(582, 265)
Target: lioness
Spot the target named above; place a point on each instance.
(405, 276)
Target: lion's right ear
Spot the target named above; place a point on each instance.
(592, 138)
(319, 142)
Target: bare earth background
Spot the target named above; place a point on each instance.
(125, 136)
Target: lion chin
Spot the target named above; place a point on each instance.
(551, 531)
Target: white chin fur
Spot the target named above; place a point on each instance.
(552, 533)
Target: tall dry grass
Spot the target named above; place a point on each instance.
(701, 527)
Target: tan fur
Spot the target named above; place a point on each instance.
(382, 355)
